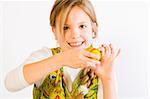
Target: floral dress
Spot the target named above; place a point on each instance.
(54, 86)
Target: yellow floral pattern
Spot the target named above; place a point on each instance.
(54, 87)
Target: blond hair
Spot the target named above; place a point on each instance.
(62, 8)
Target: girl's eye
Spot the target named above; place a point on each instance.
(66, 27)
(83, 26)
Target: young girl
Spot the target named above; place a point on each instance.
(69, 71)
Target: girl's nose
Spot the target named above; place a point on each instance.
(75, 33)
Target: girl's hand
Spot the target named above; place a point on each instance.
(78, 58)
(105, 69)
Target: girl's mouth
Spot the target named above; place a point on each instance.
(76, 44)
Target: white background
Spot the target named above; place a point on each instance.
(24, 28)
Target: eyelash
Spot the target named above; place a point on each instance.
(81, 26)
(66, 28)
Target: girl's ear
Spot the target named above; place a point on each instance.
(95, 30)
(54, 31)
(94, 26)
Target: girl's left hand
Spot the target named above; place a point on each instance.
(105, 69)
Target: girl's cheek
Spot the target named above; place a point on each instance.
(88, 36)
(67, 35)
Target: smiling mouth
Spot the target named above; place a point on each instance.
(76, 44)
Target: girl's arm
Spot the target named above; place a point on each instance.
(16, 79)
(109, 88)
(74, 58)
(106, 72)
(36, 71)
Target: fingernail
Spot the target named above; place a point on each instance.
(93, 65)
(98, 62)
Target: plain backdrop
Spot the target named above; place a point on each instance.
(24, 28)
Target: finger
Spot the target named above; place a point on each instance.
(106, 49)
(111, 49)
(100, 47)
(86, 64)
(91, 55)
(93, 61)
(91, 65)
(102, 50)
(118, 53)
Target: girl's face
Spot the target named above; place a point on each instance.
(77, 30)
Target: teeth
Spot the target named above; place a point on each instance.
(75, 44)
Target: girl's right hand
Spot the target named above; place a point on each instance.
(77, 58)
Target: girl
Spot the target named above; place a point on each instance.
(69, 71)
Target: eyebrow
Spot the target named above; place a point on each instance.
(83, 22)
(66, 25)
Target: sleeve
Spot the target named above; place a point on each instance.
(15, 81)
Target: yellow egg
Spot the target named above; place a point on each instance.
(94, 51)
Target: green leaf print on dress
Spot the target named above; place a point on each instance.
(54, 86)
